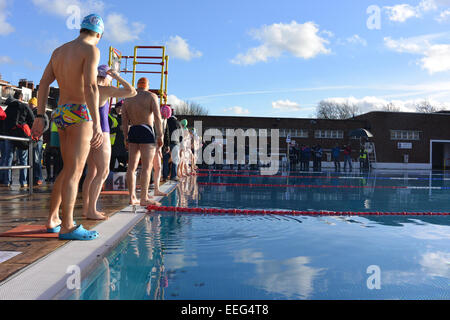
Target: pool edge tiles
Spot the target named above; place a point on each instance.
(47, 278)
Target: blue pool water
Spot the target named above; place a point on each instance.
(194, 256)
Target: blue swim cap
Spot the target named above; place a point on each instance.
(94, 23)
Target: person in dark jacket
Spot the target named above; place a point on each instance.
(348, 157)
(317, 158)
(17, 112)
(307, 157)
(118, 150)
(172, 125)
(335, 154)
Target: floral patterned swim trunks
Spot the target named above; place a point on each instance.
(70, 114)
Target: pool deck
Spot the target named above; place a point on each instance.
(18, 208)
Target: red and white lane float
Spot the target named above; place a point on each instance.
(288, 212)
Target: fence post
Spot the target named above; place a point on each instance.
(31, 164)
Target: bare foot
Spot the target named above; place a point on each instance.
(53, 223)
(134, 202)
(97, 216)
(149, 202)
(158, 193)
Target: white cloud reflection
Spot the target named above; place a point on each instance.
(436, 264)
(292, 278)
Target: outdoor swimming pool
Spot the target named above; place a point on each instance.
(224, 256)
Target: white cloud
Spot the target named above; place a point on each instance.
(355, 39)
(236, 110)
(430, 5)
(174, 101)
(409, 45)
(5, 27)
(286, 105)
(403, 12)
(436, 57)
(301, 40)
(5, 60)
(178, 47)
(444, 16)
(59, 7)
(118, 30)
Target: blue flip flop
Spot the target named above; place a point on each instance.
(57, 229)
(79, 234)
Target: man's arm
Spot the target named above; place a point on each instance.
(91, 92)
(158, 119)
(44, 89)
(125, 124)
(128, 91)
(157, 112)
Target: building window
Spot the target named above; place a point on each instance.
(294, 133)
(300, 133)
(405, 135)
(329, 134)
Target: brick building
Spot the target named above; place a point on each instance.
(402, 140)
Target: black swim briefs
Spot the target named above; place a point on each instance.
(141, 134)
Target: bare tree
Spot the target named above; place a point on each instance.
(334, 110)
(190, 108)
(390, 107)
(426, 107)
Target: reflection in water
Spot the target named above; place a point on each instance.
(187, 256)
(291, 278)
(436, 264)
(377, 194)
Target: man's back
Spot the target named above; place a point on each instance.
(139, 109)
(68, 63)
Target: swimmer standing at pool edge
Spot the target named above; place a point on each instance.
(74, 67)
(139, 112)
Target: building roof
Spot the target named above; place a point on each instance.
(439, 113)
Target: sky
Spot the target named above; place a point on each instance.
(255, 58)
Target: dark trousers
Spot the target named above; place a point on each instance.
(306, 164)
(166, 165)
(37, 165)
(53, 162)
(337, 163)
(122, 159)
(317, 164)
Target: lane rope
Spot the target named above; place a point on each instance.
(216, 184)
(289, 212)
(313, 177)
(223, 184)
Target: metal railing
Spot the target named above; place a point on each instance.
(30, 160)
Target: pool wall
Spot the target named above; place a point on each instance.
(47, 278)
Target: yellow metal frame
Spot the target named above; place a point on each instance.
(164, 62)
(164, 71)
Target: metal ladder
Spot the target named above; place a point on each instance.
(371, 153)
